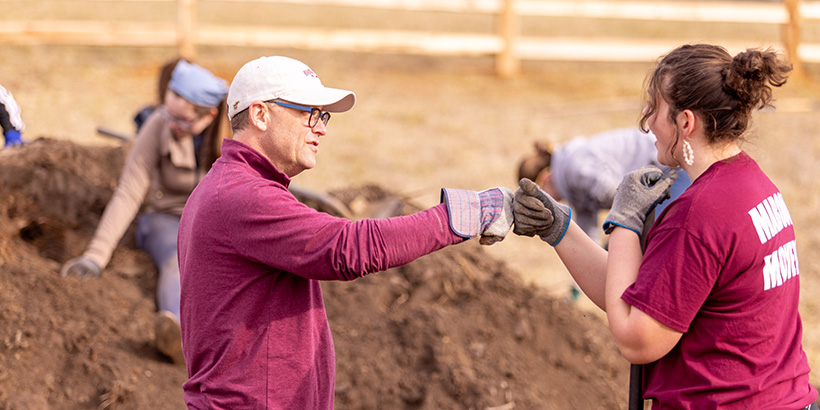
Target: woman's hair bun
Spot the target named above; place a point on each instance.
(751, 75)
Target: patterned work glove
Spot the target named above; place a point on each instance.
(638, 194)
(537, 213)
(12, 138)
(81, 267)
(487, 213)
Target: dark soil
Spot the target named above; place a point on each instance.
(457, 329)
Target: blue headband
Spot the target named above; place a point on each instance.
(197, 85)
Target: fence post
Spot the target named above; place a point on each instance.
(185, 28)
(507, 62)
(791, 37)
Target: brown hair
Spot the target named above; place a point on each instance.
(532, 165)
(240, 120)
(721, 89)
(165, 77)
(213, 136)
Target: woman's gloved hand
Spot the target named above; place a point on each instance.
(638, 194)
(537, 213)
(81, 267)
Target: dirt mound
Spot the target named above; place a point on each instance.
(453, 330)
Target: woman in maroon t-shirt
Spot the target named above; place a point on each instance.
(710, 304)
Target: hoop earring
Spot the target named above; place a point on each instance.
(688, 153)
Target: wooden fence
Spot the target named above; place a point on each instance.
(507, 43)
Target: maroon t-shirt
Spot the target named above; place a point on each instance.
(254, 329)
(721, 267)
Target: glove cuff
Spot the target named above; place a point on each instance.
(553, 239)
(610, 225)
(464, 209)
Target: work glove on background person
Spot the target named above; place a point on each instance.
(638, 194)
(537, 213)
(81, 267)
(12, 138)
(487, 213)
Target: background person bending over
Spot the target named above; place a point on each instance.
(172, 152)
(10, 119)
(585, 172)
(711, 307)
(254, 328)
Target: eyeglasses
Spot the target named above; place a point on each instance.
(315, 113)
(183, 124)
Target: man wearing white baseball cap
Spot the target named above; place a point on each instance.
(252, 257)
(287, 79)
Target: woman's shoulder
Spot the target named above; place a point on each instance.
(154, 135)
(153, 126)
(722, 196)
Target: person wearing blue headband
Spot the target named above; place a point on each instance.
(173, 150)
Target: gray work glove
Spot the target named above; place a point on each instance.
(537, 213)
(82, 267)
(487, 214)
(638, 194)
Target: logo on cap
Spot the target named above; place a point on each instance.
(309, 73)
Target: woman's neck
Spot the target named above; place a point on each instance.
(706, 155)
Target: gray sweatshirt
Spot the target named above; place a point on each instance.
(586, 171)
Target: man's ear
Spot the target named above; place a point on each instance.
(259, 115)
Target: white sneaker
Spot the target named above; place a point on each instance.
(168, 336)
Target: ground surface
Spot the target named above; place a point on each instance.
(457, 329)
(466, 328)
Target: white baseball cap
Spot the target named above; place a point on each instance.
(268, 78)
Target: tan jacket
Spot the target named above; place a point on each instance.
(159, 165)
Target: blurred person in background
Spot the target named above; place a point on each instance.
(172, 152)
(10, 119)
(162, 87)
(252, 257)
(709, 307)
(585, 173)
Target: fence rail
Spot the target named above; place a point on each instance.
(506, 43)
